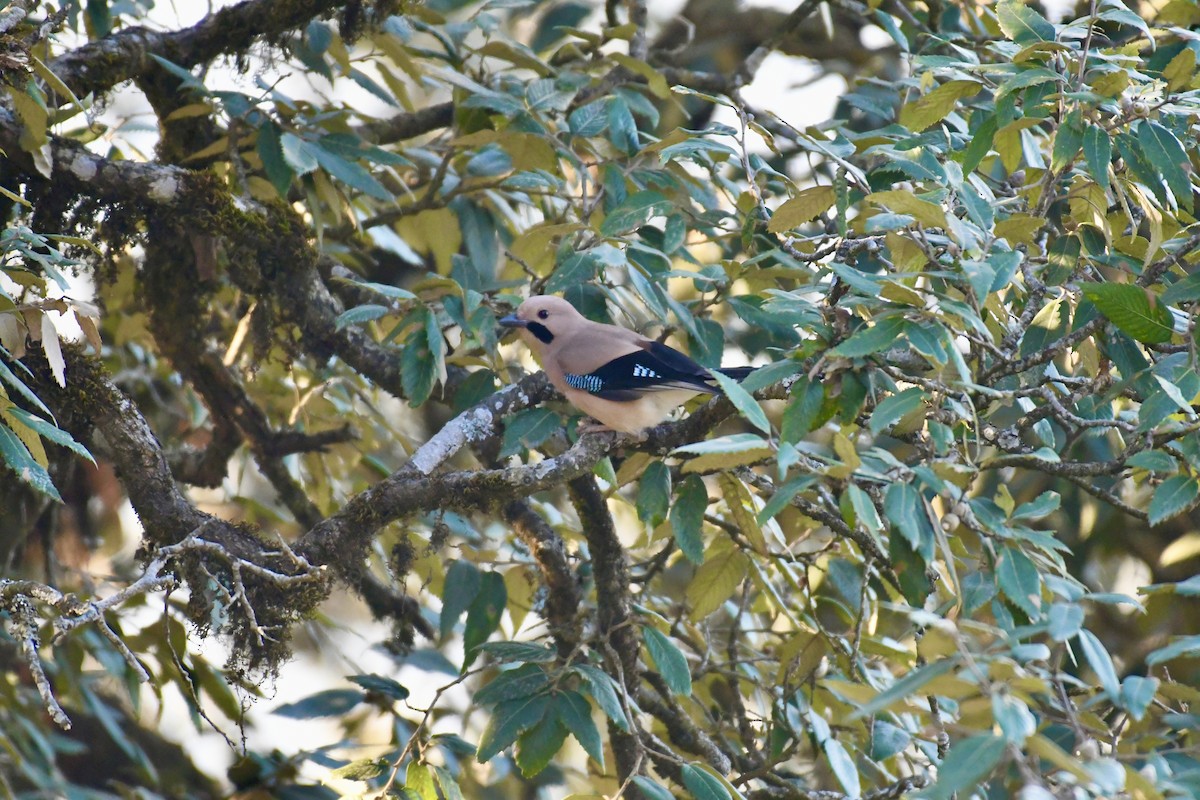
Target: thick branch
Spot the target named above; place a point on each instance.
(100, 65)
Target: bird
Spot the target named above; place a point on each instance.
(619, 378)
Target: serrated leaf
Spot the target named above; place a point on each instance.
(348, 172)
(360, 314)
(806, 205)
(723, 571)
(513, 684)
(1179, 647)
(381, 684)
(904, 508)
(1018, 578)
(1168, 156)
(576, 714)
(1172, 497)
(744, 402)
(462, 583)
(638, 209)
(22, 462)
(667, 659)
(449, 786)
(483, 615)
(1097, 151)
(362, 770)
(1067, 140)
(48, 430)
(654, 494)
(865, 341)
(603, 690)
(1022, 24)
(687, 517)
(524, 652)
(933, 107)
(928, 214)
(1136, 311)
(298, 153)
(903, 688)
(892, 408)
(538, 745)
(507, 722)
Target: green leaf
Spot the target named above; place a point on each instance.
(524, 681)
(842, 764)
(1137, 693)
(360, 314)
(270, 151)
(1067, 140)
(654, 494)
(51, 432)
(967, 764)
(348, 172)
(806, 205)
(864, 509)
(575, 270)
(904, 508)
(299, 154)
(327, 703)
(652, 789)
(589, 120)
(603, 689)
(362, 770)
(1022, 24)
(904, 688)
(1172, 497)
(449, 786)
(1018, 578)
(538, 745)
(1154, 461)
(483, 616)
(1097, 151)
(507, 722)
(381, 684)
(1013, 717)
(1064, 621)
(521, 652)
(576, 715)
(687, 517)
(1136, 311)
(742, 400)
(883, 334)
(1168, 156)
(185, 76)
(636, 211)
(458, 591)
(803, 409)
(887, 740)
(702, 784)
(1180, 647)
(892, 408)
(1101, 663)
(669, 662)
(22, 462)
(528, 429)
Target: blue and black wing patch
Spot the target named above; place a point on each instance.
(655, 368)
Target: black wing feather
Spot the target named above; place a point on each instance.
(656, 367)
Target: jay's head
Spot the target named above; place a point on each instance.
(544, 322)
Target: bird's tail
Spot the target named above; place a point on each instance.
(737, 373)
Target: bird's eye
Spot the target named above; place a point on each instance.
(543, 314)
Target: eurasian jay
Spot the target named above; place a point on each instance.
(621, 379)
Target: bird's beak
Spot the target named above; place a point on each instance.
(513, 321)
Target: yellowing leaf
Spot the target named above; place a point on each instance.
(907, 255)
(715, 582)
(928, 214)
(933, 107)
(807, 204)
(1019, 229)
(1181, 69)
